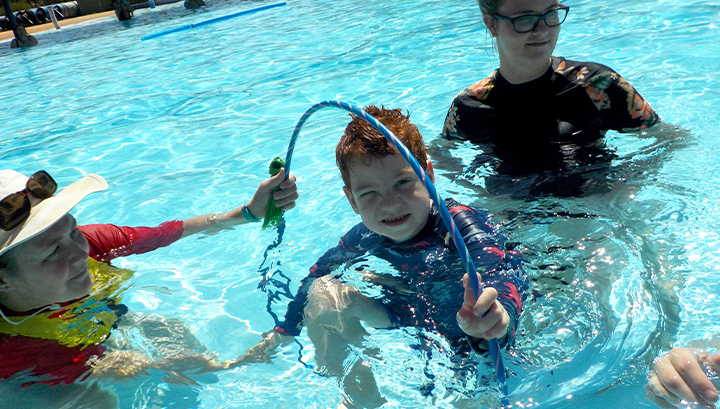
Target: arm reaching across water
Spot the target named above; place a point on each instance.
(284, 198)
(108, 242)
(265, 349)
(119, 364)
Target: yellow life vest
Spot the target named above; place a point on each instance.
(84, 322)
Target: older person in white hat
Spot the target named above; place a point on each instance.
(56, 292)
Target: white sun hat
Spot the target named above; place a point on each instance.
(43, 213)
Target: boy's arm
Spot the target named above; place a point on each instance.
(347, 249)
(499, 269)
(284, 332)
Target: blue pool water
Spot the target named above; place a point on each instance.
(186, 124)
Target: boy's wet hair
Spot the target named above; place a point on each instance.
(361, 138)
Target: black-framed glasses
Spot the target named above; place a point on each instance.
(15, 208)
(528, 22)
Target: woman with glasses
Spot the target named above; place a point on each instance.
(60, 297)
(538, 112)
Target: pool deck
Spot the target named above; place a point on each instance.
(8, 35)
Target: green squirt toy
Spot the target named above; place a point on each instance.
(273, 214)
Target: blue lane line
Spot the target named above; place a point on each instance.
(210, 21)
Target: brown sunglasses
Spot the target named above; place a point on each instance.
(15, 208)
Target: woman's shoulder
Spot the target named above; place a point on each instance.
(481, 89)
(562, 63)
(609, 91)
(581, 71)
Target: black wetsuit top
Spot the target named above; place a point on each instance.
(430, 266)
(554, 122)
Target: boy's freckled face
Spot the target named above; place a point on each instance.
(389, 197)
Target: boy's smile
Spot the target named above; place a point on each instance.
(388, 195)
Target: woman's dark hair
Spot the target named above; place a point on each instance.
(490, 6)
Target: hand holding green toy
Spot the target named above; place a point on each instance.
(273, 214)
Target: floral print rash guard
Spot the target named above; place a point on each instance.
(553, 122)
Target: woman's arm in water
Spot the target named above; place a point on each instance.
(120, 364)
(263, 351)
(663, 132)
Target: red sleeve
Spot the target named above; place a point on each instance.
(108, 241)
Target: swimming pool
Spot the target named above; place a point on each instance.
(187, 123)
